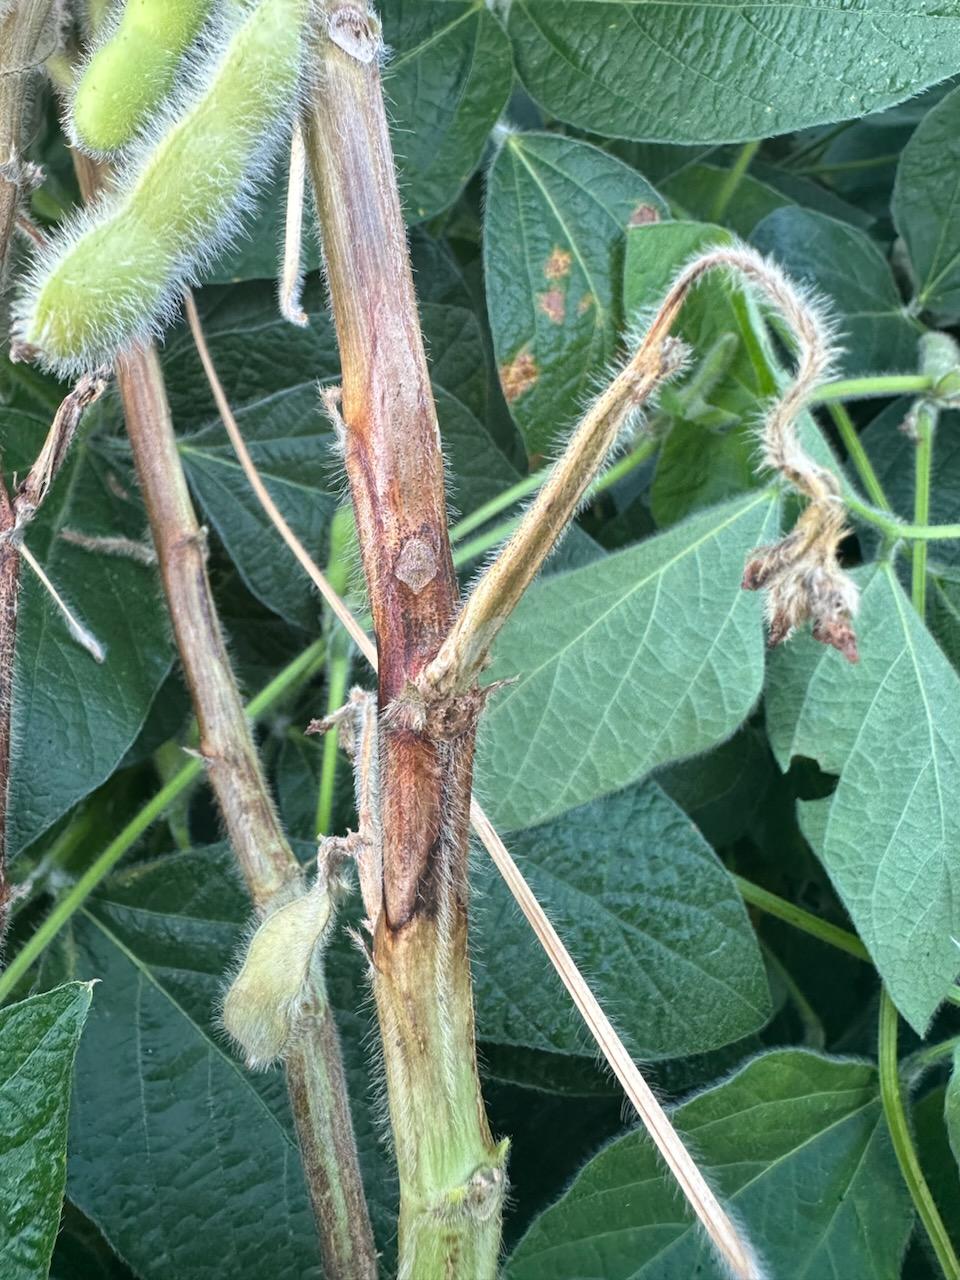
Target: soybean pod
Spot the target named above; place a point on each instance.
(130, 74)
(115, 272)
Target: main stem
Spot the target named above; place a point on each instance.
(315, 1074)
(451, 1172)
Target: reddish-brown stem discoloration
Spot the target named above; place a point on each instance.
(394, 463)
(392, 443)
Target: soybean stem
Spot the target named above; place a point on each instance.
(925, 419)
(891, 1095)
(858, 455)
(732, 179)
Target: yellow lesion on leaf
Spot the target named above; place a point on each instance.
(553, 304)
(518, 375)
(558, 264)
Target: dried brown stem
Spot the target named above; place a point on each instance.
(15, 515)
(465, 651)
(315, 1074)
(22, 28)
(451, 1172)
(731, 1245)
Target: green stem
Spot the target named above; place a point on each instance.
(895, 384)
(493, 537)
(891, 1096)
(522, 489)
(800, 919)
(817, 144)
(929, 1056)
(925, 419)
(858, 456)
(849, 166)
(773, 905)
(734, 176)
(338, 675)
(891, 1091)
(897, 530)
(297, 671)
(343, 547)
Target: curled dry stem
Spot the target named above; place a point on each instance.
(801, 573)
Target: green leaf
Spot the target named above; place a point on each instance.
(926, 207)
(795, 1142)
(704, 72)
(269, 371)
(38, 1043)
(556, 215)
(82, 1253)
(843, 264)
(644, 657)
(646, 909)
(695, 188)
(890, 728)
(75, 718)
(447, 82)
(257, 253)
(186, 1161)
(722, 789)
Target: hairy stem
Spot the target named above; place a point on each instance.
(883, 385)
(451, 1172)
(315, 1072)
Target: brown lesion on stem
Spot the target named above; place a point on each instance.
(394, 464)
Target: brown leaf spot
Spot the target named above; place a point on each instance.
(643, 215)
(558, 264)
(518, 376)
(585, 303)
(553, 304)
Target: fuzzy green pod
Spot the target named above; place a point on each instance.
(262, 1007)
(130, 74)
(116, 271)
